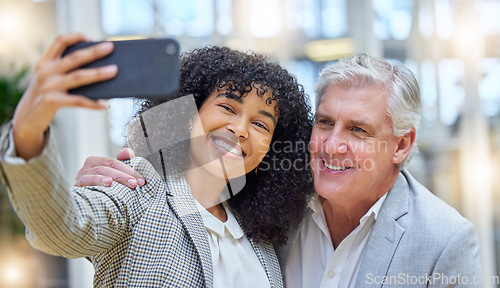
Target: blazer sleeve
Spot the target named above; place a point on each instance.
(63, 220)
(459, 264)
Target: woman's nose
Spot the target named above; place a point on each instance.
(239, 128)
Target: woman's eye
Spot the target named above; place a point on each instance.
(260, 125)
(227, 108)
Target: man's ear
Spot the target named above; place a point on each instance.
(405, 144)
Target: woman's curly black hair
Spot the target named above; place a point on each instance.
(273, 199)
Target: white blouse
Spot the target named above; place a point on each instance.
(234, 261)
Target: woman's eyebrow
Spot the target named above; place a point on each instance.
(225, 95)
(267, 114)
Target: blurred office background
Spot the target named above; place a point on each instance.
(453, 47)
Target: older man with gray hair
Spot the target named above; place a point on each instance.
(371, 223)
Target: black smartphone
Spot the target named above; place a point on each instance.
(147, 68)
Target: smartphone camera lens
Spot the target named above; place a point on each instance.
(171, 49)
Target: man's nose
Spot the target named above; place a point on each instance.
(336, 142)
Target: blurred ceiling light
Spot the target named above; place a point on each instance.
(265, 18)
(8, 24)
(329, 49)
(13, 23)
(14, 274)
(124, 38)
(468, 38)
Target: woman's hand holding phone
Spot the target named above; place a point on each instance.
(48, 90)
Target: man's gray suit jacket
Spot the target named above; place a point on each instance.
(417, 241)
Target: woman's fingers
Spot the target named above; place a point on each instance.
(93, 180)
(78, 78)
(84, 56)
(60, 44)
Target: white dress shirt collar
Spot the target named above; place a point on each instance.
(235, 263)
(220, 228)
(313, 261)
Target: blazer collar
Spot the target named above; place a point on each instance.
(386, 234)
(181, 200)
(267, 257)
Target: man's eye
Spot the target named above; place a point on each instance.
(357, 129)
(323, 122)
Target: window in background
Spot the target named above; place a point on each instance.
(489, 86)
(333, 15)
(193, 18)
(426, 19)
(428, 91)
(127, 17)
(488, 16)
(302, 15)
(306, 74)
(393, 18)
(265, 18)
(444, 19)
(224, 24)
(120, 112)
(451, 94)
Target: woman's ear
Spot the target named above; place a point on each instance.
(404, 147)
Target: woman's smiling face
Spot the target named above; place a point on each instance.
(234, 131)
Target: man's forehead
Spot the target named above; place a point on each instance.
(363, 108)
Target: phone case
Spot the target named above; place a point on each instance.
(147, 68)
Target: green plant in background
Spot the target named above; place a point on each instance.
(11, 90)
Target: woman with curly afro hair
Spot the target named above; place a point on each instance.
(270, 200)
(252, 124)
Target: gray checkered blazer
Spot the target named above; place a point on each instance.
(145, 237)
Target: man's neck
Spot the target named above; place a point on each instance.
(342, 220)
(342, 217)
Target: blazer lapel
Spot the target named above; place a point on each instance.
(269, 261)
(385, 236)
(267, 257)
(183, 204)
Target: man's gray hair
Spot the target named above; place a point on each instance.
(361, 71)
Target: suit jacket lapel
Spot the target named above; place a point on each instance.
(385, 236)
(183, 204)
